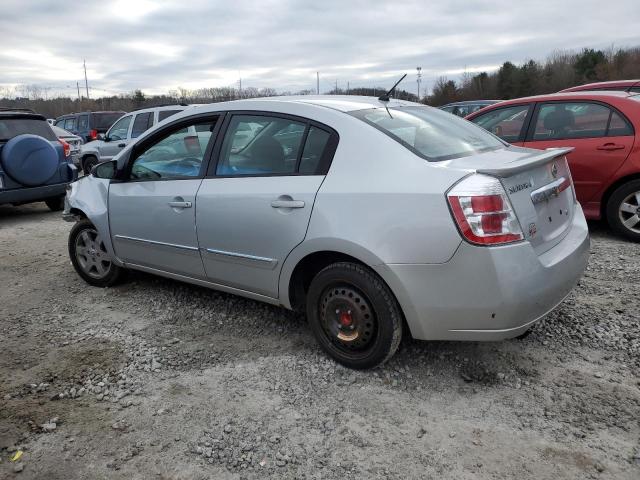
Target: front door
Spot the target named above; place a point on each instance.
(152, 213)
(601, 137)
(255, 205)
(115, 138)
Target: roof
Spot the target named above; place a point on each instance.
(612, 83)
(20, 113)
(577, 95)
(122, 112)
(342, 103)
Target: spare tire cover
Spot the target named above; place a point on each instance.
(29, 159)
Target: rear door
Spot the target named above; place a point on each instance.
(152, 213)
(509, 123)
(255, 204)
(601, 136)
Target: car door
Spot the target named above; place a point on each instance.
(602, 139)
(152, 212)
(255, 204)
(116, 138)
(509, 122)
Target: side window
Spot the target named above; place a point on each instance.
(177, 155)
(448, 109)
(559, 121)
(507, 123)
(162, 114)
(120, 129)
(462, 110)
(314, 148)
(260, 145)
(618, 126)
(83, 122)
(635, 89)
(141, 124)
(70, 123)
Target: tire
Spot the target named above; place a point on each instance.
(88, 163)
(624, 207)
(55, 204)
(90, 258)
(354, 315)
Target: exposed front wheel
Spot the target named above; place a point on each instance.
(89, 256)
(88, 163)
(55, 204)
(623, 210)
(353, 315)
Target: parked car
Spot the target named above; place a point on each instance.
(74, 141)
(462, 109)
(88, 125)
(125, 129)
(35, 165)
(363, 213)
(603, 129)
(631, 86)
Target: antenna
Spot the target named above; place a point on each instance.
(385, 97)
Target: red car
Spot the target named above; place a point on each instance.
(603, 128)
(631, 86)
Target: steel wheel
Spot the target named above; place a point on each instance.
(347, 318)
(629, 212)
(91, 254)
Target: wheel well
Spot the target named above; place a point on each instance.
(78, 212)
(612, 188)
(84, 158)
(309, 267)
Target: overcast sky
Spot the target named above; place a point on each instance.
(158, 46)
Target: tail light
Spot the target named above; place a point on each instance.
(483, 212)
(66, 147)
(93, 134)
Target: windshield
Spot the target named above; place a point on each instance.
(12, 127)
(102, 121)
(431, 133)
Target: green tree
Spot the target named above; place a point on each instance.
(507, 86)
(587, 63)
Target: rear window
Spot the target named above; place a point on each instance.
(102, 121)
(431, 133)
(11, 127)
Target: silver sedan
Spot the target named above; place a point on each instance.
(375, 217)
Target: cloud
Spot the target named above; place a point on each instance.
(156, 46)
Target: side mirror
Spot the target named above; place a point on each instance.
(105, 138)
(106, 170)
(101, 136)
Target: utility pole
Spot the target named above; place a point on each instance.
(86, 83)
(317, 83)
(78, 87)
(419, 80)
(336, 86)
(347, 88)
(240, 87)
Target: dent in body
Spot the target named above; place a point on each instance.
(90, 195)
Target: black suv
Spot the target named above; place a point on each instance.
(35, 165)
(88, 124)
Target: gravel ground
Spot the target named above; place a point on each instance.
(158, 379)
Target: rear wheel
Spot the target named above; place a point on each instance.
(89, 256)
(55, 204)
(623, 210)
(353, 315)
(88, 163)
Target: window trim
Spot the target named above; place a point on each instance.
(132, 117)
(525, 125)
(323, 165)
(158, 135)
(612, 108)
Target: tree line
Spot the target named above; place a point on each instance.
(560, 70)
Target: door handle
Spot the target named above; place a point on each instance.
(610, 146)
(180, 204)
(287, 204)
(122, 145)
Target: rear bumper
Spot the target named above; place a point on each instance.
(489, 293)
(33, 194)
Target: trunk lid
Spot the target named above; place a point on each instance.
(538, 184)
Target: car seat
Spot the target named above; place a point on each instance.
(559, 122)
